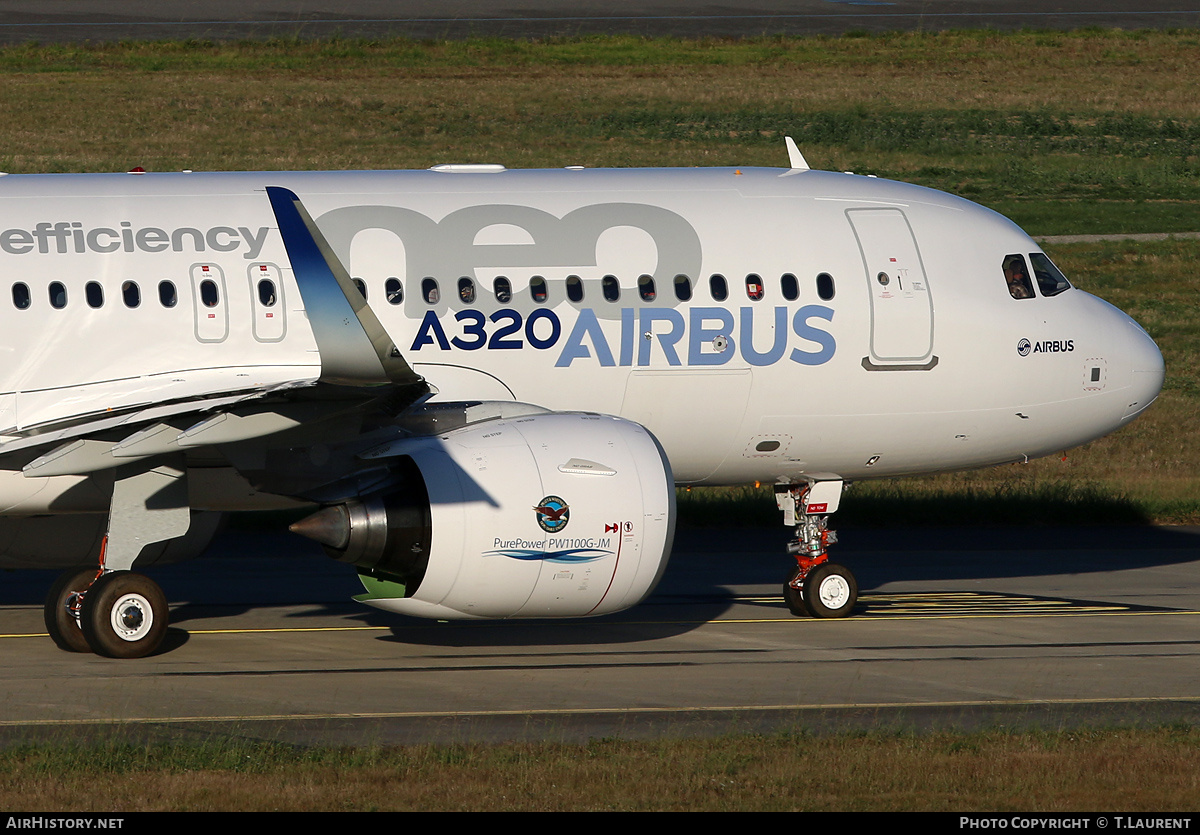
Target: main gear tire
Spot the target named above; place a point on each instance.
(124, 615)
(62, 608)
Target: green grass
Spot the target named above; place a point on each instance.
(1085, 132)
(1128, 770)
(1071, 132)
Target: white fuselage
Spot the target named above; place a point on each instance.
(866, 328)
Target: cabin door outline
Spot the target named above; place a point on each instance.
(902, 311)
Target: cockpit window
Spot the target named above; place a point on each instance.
(1016, 274)
(1050, 279)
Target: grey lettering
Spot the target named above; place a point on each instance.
(196, 235)
(150, 239)
(255, 241)
(16, 241)
(214, 239)
(449, 247)
(93, 240)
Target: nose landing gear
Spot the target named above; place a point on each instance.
(815, 587)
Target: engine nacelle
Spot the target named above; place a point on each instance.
(542, 516)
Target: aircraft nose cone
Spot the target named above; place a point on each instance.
(1148, 372)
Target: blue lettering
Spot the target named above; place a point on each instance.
(472, 326)
(627, 336)
(555, 328)
(430, 324)
(699, 335)
(778, 346)
(514, 324)
(805, 331)
(707, 330)
(586, 325)
(666, 340)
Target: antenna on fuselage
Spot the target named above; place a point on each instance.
(795, 159)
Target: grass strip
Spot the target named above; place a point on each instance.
(1126, 770)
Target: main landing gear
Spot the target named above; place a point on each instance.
(816, 587)
(111, 610)
(117, 614)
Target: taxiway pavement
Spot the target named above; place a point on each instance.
(101, 20)
(957, 629)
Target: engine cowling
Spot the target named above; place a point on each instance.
(548, 515)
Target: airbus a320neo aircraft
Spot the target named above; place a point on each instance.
(488, 382)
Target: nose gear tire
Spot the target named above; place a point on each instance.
(830, 591)
(794, 597)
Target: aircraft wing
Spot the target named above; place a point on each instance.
(361, 370)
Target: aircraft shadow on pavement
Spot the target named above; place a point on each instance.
(709, 569)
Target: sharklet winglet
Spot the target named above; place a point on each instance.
(355, 349)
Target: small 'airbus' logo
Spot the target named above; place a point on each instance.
(552, 514)
(1024, 347)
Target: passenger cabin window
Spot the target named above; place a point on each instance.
(646, 288)
(789, 286)
(1050, 279)
(825, 287)
(574, 288)
(21, 297)
(537, 289)
(718, 288)
(95, 294)
(132, 294)
(266, 292)
(466, 290)
(58, 295)
(1016, 277)
(209, 295)
(362, 287)
(429, 291)
(683, 288)
(503, 289)
(393, 290)
(754, 287)
(167, 296)
(611, 288)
